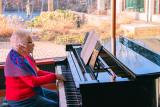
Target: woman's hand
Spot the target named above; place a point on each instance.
(60, 77)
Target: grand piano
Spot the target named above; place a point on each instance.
(127, 80)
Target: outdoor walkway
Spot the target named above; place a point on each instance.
(42, 50)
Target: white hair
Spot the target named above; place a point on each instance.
(19, 37)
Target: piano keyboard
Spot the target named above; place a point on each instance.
(69, 96)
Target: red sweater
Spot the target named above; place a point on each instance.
(22, 87)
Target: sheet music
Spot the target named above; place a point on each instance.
(89, 46)
(93, 58)
(95, 54)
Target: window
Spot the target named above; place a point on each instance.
(157, 6)
(135, 5)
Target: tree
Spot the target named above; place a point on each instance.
(50, 5)
(56, 3)
(100, 5)
(42, 5)
(1, 7)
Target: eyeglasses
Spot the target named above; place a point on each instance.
(30, 42)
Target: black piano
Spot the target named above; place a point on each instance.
(127, 80)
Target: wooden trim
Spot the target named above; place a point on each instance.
(154, 7)
(2, 92)
(113, 27)
(145, 6)
(2, 66)
(158, 6)
(124, 5)
(38, 62)
(44, 61)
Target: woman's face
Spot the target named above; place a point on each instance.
(27, 46)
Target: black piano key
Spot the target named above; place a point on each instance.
(73, 98)
(73, 102)
(74, 105)
(68, 85)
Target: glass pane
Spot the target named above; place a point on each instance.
(135, 5)
(157, 7)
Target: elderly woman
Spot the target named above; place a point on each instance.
(24, 79)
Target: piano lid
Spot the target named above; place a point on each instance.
(133, 60)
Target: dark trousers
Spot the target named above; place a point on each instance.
(49, 100)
